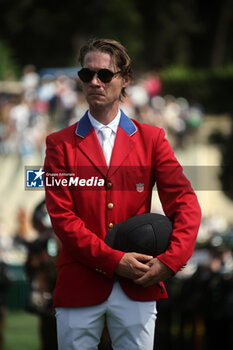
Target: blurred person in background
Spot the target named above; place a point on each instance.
(214, 281)
(40, 270)
(199, 312)
(30, 79)
(153, 85)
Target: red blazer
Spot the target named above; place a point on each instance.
(81, 214)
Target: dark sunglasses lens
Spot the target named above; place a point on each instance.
(105, 75)
(86, 75)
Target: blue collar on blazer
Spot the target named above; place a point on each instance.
(84, 125)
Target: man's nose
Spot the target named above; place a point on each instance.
(95, 80)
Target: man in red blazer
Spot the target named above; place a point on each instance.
(93, 183)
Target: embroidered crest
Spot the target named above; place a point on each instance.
(140, 187)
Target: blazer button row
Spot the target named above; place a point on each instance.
(110, 205)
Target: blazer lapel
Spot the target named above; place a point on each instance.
(124, 143)
(90, 145)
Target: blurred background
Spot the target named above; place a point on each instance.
(182, 55)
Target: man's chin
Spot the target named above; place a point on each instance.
(97, 104)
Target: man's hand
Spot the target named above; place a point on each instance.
(157, 272)
(133, 265)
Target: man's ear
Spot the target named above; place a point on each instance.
(126, 81)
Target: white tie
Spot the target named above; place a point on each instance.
(106, 146)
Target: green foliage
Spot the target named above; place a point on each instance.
(8, 66)
(183, 73)
(224, 71)
(123, 22)
(211, 88)
(156, 33)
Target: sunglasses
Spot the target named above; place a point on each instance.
(105, 75)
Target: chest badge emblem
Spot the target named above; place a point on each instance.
(140, 187)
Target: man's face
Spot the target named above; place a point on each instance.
(97, 93)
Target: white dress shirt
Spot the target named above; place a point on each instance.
(113, 125)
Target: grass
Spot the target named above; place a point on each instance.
(21, 331)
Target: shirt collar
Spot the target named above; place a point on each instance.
(84, 126)
(113, 125)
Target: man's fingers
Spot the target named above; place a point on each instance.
(142, 267)
(142, 257)
(157, 272)
(133, 265)
(140, 260)
(142, 280)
